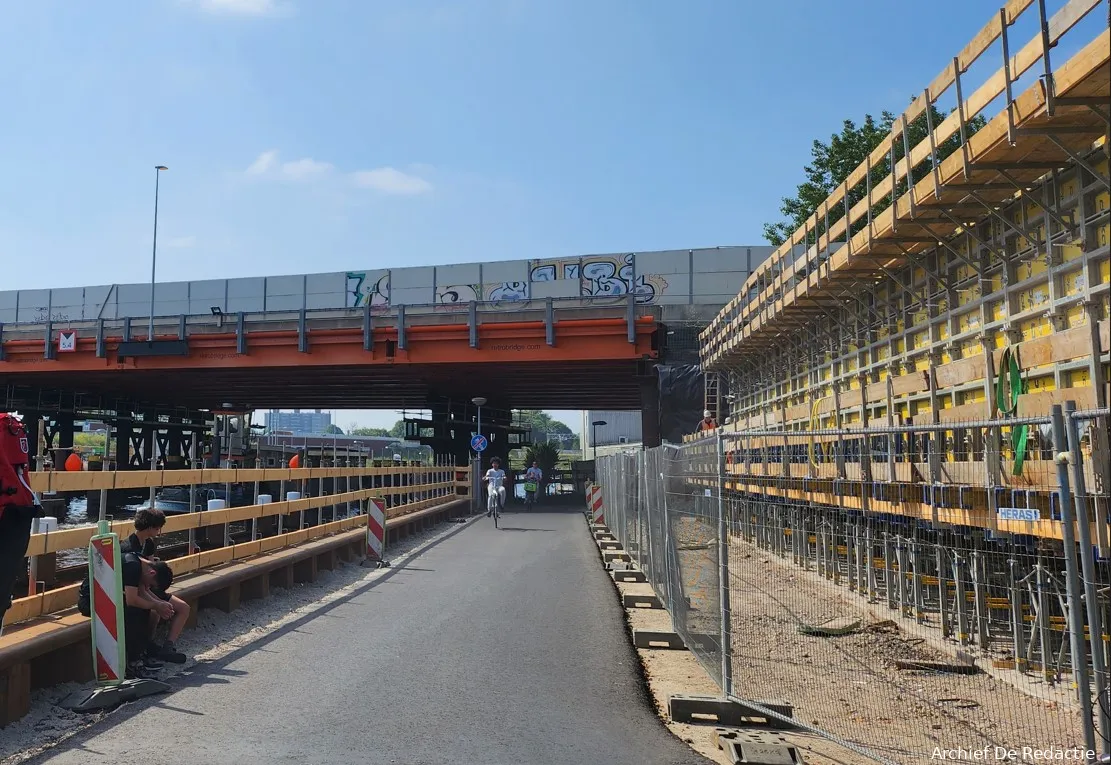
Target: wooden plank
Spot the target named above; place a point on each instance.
(959, 372)
(1105, 335)
(1060, 346)
(1041, 404)
(976, 410)
(905, 385)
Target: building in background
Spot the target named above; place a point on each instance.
(299, 423)
(620, 428)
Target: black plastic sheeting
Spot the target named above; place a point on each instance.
(682, 400)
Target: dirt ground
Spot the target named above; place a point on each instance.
(850, 686)
(671, 672)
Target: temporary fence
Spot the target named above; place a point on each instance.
(908, 590)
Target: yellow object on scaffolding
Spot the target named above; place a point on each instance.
(814, 426)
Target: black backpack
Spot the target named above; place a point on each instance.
(84, 601)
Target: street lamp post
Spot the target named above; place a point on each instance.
(594, 438)
(154, 252)
(476, 480)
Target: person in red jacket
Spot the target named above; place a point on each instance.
(18, 506)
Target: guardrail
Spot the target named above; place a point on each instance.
(394, 321)
(424, 486)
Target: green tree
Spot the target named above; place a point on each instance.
(832, 163)
(541, 422)
(333, 430)
(545, 455)
(369, 432)
(398, 430)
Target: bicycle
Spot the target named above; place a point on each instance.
(531, 488)
(494, 498)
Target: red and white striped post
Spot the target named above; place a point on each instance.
(109, 643)
(376, 530)
(106, 581)
(597, 511)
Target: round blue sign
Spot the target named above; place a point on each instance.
(479, 442)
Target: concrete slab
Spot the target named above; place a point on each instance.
(629, 575)
(641, 601)
(718, 709)
(656, 639)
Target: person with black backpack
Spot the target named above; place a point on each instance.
(18, 506)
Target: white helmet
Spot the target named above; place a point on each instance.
(707, 414)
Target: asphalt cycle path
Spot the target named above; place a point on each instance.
(492, 647)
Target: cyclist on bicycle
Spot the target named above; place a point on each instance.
(533, 476)
(495, 481)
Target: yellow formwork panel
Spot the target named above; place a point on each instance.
(998, 310)
(1074, 282)
(1038, 327)
(1071, 251)
(1079, 378)
(1040, 383)
(971, 396)
(1076, 316)
(1105, 266)
(920, 339)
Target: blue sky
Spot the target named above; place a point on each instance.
(321, 135)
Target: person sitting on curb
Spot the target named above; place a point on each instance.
(139, 578)
(148, 527)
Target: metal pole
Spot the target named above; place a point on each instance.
(1072, 578)
(723, 577)
(154, 254)
(1088, 567)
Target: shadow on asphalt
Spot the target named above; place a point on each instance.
(514, 528)
(218, 672)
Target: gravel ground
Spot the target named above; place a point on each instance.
(217, 634)
(850, 686)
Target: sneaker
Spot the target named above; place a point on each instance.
(168, 652)
(136, 671)
(151, 662)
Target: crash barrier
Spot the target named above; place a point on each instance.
(55, 648)
(422, 483)
(889, 622)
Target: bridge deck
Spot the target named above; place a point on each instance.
(500, 647)
(533, 356)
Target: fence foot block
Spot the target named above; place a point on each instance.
(630, 575)
(695, 709)
(655, 639)
(756, 747)
(641, 601)
(606, 545)
(609, 557)
(604, 536)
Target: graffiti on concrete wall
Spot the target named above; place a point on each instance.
(602, 277)
(43, 314)
(365, 288)
(508, 292)
(457, 294)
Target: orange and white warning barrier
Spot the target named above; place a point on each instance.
(594, 502)
(376, 529)
(106, 580)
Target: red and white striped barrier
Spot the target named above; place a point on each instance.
(106, 578)
(376, 529)
(594, 502)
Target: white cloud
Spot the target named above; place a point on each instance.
(306, 168)
(265, 161)
(181, 242)
(302, 169)
(390, 180)
(240, 7)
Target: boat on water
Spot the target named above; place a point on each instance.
(174, 500)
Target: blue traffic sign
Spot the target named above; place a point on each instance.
(479, 442)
